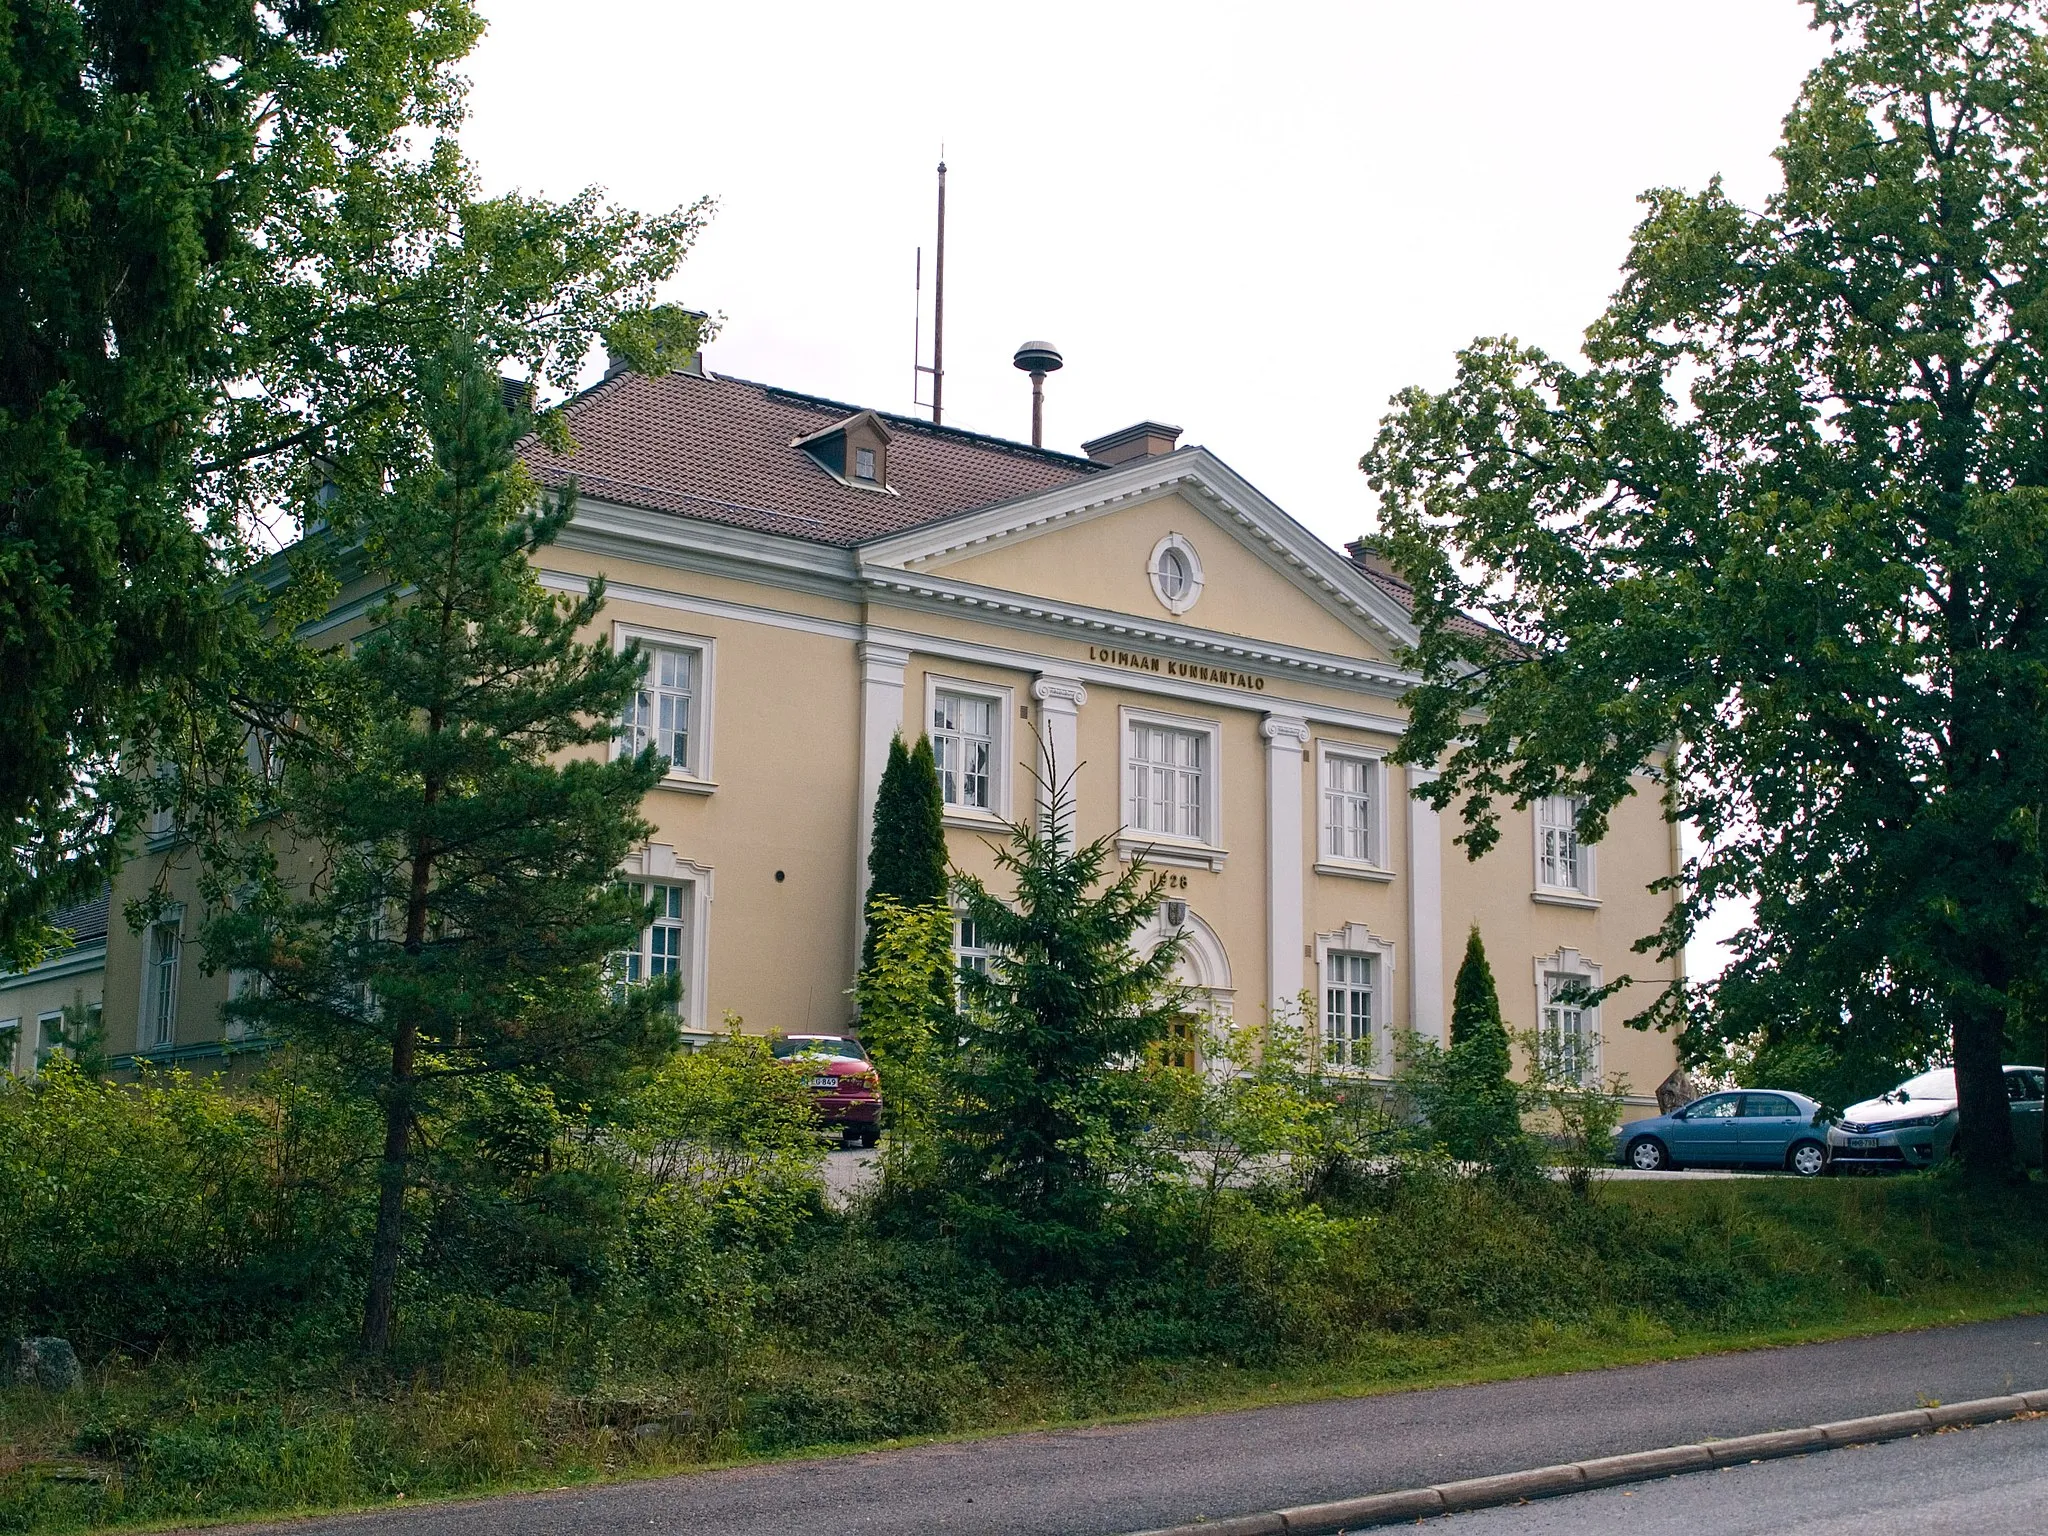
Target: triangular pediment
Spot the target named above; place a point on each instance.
(1180, 539)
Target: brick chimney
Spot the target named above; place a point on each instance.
(1146, 440)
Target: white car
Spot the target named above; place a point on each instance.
(1914, 1126)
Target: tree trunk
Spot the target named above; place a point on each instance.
(1984, 1116)
(382, 1301)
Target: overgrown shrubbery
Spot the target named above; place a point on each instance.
(1074, 1218)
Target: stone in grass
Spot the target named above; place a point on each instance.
(51, 1364)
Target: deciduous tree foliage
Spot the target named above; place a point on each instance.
(449, 914)
(229, 226)
(1789, 519)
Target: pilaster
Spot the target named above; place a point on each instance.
(1059, 713)
(1426, 1014)
(1286, 738)
(881, 718)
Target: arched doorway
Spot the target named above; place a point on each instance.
(1203, 968)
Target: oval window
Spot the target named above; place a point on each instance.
(1173, 574)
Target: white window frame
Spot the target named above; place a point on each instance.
(1568, 966)
(697, 777)
(1358, 939)
(1542, 817)
(10, 1045)
(657, 864)
(1166, 848)
(1155, 572)
(46, 1028)
(1377, 865)
(969, 956)
(1003, 710)
(156, 1019)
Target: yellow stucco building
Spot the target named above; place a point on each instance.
(809, 579)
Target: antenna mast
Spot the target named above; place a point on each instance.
(938, 365)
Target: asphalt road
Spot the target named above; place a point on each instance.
(1096, 1481)
(1992, 1478)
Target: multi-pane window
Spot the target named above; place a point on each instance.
(863, 463)
(1349, 790)
(970, 949)
(1568, 1026)
(1347, 1010)
(664, 946)
(49, 1037)
(659, 712)
(160, 985)
(1561, 863)
(964, 746)
(10, 1045)
(1167, 781)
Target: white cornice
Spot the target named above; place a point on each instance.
(714, 549)
(792, 564)
(1102, 674)
(1196, 474)
(916, 590)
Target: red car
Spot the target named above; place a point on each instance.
(844, 1084)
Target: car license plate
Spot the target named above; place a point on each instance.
(1862, 1141)
(824, 1082)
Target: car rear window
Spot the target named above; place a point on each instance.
(819, 1045)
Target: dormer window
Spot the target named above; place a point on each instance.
(855, 452)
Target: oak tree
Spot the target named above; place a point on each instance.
(1777, 546)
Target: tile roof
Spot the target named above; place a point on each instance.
(85, 922)
(719, 449)
(1373, 565)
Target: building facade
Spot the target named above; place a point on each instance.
(808, 579)
(33, 1002)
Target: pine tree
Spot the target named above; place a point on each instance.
(1481, 1117)
(907, 859)
(1045, 1103)
(457, 923)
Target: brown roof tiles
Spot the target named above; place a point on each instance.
(720, 450)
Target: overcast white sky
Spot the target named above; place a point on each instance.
(1254, 221)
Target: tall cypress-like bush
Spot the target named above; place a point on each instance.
(907, 860)
(1480, 1119)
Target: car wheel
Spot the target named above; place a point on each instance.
(1646, 1155)
(1808, 1159)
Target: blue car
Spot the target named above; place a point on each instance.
(1748, 1128)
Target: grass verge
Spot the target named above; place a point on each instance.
(1655, 1271)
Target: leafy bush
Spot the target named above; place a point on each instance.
(169, 1210)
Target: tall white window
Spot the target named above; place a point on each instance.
(659, 713)
(970, 949)
(1168, 773)
(964, 745)
(1569, 1026)
(1351, 808)
(10, 1045)
(160, 985)
(1562, 862)
(664, 947)
(1347, 1010)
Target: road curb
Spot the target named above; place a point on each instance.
(1408, 1504)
